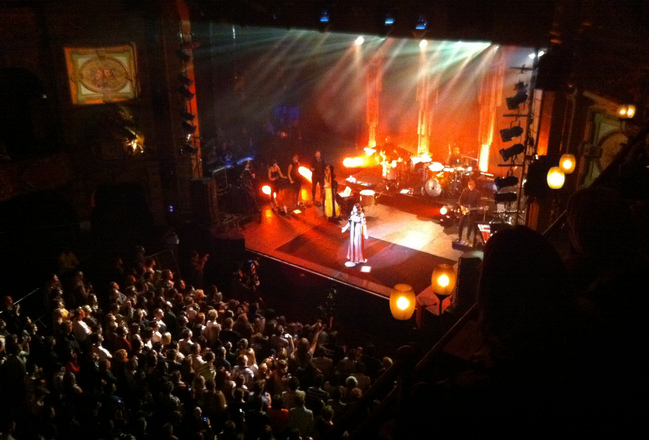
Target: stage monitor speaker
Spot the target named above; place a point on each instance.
(468, 276)
(204, 197)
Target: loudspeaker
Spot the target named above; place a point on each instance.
(536, 184)
(468, 276)
(553, 70)
(204, 197)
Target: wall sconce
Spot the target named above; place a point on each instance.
(556, 178)
(626, 111)
(443, 282)
(567, 163)
(402, 302)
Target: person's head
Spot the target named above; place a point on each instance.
(357, 208)
(328, 169)
(471, 185)
(522, 293)
(295, 158)
(317, 155)
(300, 398)
(601, 225)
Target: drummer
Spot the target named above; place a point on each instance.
(455, 158)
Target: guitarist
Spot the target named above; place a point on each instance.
(468, 202)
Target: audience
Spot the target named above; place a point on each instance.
(163, 360)
(560, 351)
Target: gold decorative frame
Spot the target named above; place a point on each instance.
(100, 75)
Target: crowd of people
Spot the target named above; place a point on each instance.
(561, 343)
(158, 359)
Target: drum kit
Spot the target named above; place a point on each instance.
(428, 178)
(446, 180)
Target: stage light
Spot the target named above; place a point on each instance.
(502, 182)
(423, 44)
(519, 98)
(324, 16)
(389, 19)
(187, 116)
(506, 197)
(189, 149)
(402, 302)
(443, 210)
(533, 55)
(186, 92)
(189, 128)
(369, 151)
(421, 23)
(568, 163)
(507, 134)
(183, 55)
(359, 40)
(626, 111)
(266, 190)
(353, 162)
(556, 178)
(184, 79)
(513, 151)
(306, 173)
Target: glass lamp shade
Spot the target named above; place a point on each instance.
(556, 178)
(626, 111)
(443, 280)
(567, 163)
(402, 302)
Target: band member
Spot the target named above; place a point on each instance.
(274, 176)
(247, 183)
(357, 232)
(317, 176)
(454, 158)
(295, 178)
(468, 201)
(331, 208)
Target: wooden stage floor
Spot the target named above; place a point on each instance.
(402, 248)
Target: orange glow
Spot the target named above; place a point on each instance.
(370, 151)
(306, 173)
(483, 162)
(354, 162)
(265, 189)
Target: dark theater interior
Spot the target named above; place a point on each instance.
(323, 220)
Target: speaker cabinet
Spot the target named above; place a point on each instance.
(468, 276)
(204, 196)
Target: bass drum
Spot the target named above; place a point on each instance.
(433, 188)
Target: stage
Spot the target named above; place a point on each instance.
(404, 244)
